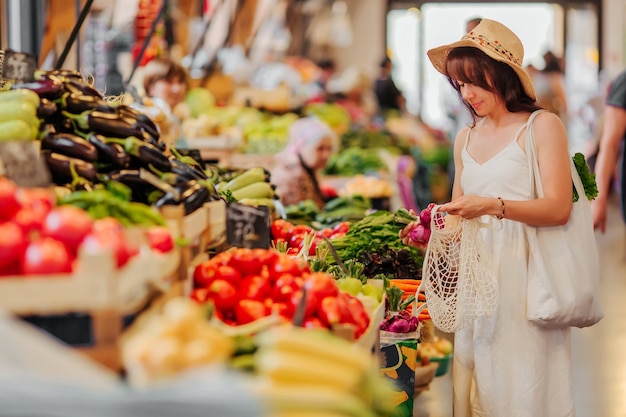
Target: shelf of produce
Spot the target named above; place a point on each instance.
(201, 230)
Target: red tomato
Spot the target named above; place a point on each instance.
(204, 274)
(285, 287)
(201, 295)
(343, 299)
(281, 229)
(320, 285)
(296, 241)
(108, 234)
(223, 294)
(328, 232)
(41, 200)
(245, 261)
(265, 256)
(47, 256)
(283, 309)
(9, 204)
(160, 239)
(329, 311)
(285, 264)
(228, 273)
(310, 306)
(12, 244)
(248, 311)
(29, 220)
(255, 287)
(314, 323)
(67, 224)
(342, 227)
(222, 258)
(302, 229)
(361, 318)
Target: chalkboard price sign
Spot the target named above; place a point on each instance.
(20, 161)
(18, 66)
(247, 227)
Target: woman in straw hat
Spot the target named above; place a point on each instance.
(505, 365)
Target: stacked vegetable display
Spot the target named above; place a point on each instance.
(248, 284)
(38, 236)
(87, 140)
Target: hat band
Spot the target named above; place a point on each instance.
(494, 46)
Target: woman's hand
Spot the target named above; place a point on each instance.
(598, 214)
(471, 206)
(405, 234)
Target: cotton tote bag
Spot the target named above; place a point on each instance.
(564, 269)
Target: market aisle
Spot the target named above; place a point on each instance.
(599, 352)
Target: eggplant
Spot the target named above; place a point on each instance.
(45, 88)
(82, 87)
(70, 145)
(46, 109)
(110, 124)
(147, 155)
(192, 195)
(183, 169)
(109, 153)
(142, 119)
(63, 75)
(77, 104)
(132, 179)
(60, 167)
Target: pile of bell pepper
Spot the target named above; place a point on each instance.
(248, 284)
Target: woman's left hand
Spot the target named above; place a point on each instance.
(469, 206)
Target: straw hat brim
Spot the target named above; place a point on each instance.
(439, 55)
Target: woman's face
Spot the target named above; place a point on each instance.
(316, 157)
(171, 91)
(482, 101)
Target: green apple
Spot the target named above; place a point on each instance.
(373, 291)
(350, 285)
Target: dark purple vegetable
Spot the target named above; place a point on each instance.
(49, 89)
(77, 104)
(46, 108)
(109, 153)
(70, 145)
(82, 87)
(192, 195)
(61, 166)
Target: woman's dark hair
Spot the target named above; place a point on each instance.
(472, 66)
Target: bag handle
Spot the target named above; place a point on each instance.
(533, 163)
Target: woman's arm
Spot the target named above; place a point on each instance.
(551, 210)
(608, 154)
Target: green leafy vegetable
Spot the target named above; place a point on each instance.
(586, 176)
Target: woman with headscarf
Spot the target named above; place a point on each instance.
(295, 173)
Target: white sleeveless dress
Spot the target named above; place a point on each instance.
(504, 365)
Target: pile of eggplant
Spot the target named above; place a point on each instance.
(87, 140)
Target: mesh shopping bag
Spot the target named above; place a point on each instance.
(458, 275)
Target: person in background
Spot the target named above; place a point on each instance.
(296, 169)
(611, 159)
(166, 82)
(501, 365)
(327, 71)
(549, 84)
(388, 95)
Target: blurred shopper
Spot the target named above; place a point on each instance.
(166, 82)
(610, 162)
(550, 86)
(352, 89)
(297, 167)
(388, 95)
(502, 366)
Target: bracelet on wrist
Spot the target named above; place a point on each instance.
(501, 216)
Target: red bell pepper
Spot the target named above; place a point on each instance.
(248, 311)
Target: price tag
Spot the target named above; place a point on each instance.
(18, 66)
(21, 162)
(247, 227)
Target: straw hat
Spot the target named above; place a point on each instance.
(495, 40)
